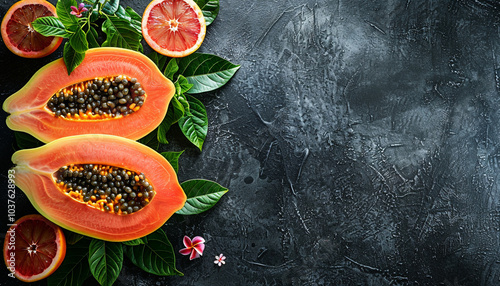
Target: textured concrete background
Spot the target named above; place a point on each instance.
(359, 141)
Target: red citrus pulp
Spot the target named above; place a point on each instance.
(33, 248)
(18, 34)
(174, 28)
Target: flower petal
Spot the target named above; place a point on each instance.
(187, 241)
(74, 9)
(84, 10)
(73, 13)
(81, 6)
(194, 255)
(199, 248)
(198, 239)
(185, 251)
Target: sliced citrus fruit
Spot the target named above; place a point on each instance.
(33, 248)
(18, 34)
(174, 28)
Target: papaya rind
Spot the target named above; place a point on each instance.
(29, 114)
(34, 169)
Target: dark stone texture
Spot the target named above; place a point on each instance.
(359, 141)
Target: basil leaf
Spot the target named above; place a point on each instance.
(173, 159)
(105, 260)
(136, 241)
(26, 141)
(111, 7)
(74, 269)
(171, 68)
(120, 33)
(92, 37)
(63, 9)
(150, 140)
(78, 41)
(71, 58)
(194, 125)
(156, 256)
(50, 26)
(210, 9)
(206, 72)
(201, 196)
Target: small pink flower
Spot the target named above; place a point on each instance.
(77, 12)
(194, 247)
(219, 260)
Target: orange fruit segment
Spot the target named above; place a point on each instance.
(33, 248)
(18, 34)
(174, 28)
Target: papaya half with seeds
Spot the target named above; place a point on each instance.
(102, 186)
(113, 91)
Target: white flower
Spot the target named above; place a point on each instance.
(219, 260)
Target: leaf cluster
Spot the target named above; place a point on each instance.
(120, 26)
(108, 24)
(195, 74)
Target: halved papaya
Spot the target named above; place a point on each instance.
(102, 186)
(113, 91)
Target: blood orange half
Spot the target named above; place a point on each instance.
(33, 248)
(18, 34)
(174, 28)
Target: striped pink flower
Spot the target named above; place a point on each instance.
(194, 248)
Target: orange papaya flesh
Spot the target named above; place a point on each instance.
(38, 171)
(32, 109)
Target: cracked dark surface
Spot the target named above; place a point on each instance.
(359, 141)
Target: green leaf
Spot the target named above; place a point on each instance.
(111, 7)
(158, 59)
(173, 158)
(194, 125)
(182, 99)
(122, 13)
(50, 26)
(105, 260)
(150, 140)
(71, 58)
(206, 72)
(78, 41)
(136, 19)
(121, 33)
(161, 134)
(92, 37)
(133, 242)
(184, 84)
(63, 9)
(72, 237)
(201, 196)
(210, 9)
(26, 141)
(156, 256)
(171, 69)
(74, 269)
(174, 113)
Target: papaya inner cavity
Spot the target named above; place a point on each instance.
(98, 98)
(106, 188)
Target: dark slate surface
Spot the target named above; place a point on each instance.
(359, 141)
